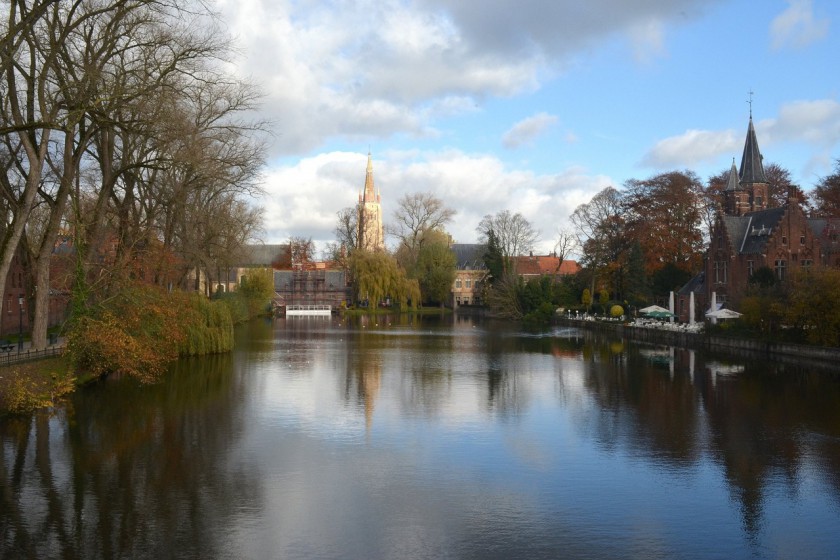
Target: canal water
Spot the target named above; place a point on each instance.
(448, 437)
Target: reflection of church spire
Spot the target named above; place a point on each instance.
(369, 385)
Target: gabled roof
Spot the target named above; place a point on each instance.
(752, 169)
(469, 256)
(543, 265)
(262, 255)
(696, 285)
(748, 234)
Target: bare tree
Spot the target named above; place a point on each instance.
(515, 234)
(566, 243)
(347, 228)
(131, 91)
(416, 214)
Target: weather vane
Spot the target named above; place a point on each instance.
(750, 102)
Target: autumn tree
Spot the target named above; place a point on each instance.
(826, 195)
(109, 105)
(301, 251)
(600, 228)
(663, 214)
(712, 200)
(780, 187)
(814, 305)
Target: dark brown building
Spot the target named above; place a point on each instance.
(747, 236)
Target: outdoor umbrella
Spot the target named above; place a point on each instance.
(723, 314)
(654, 309)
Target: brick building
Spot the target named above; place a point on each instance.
(748, 235)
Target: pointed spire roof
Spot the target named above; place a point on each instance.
(752, 169)
(732, 183)
(369, 194)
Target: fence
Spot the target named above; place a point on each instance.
(10, 357)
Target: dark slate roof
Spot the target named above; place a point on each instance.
(749, 233)
(732, 183)
(262, 255)
(469, 256)
(695, 285)
(817, 225)
(752, 169)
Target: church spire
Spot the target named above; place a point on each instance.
(369, 194)
(732, 183)
(752, 169)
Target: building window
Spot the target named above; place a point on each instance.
(469, 284)
(750, 268)
(720, 272)
(458, 284)
(806, 263)
(758, 200)
(802, 239)
(781, 266)
(784, 240)
(795, 257)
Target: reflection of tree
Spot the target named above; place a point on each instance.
(760, 422)
(641, 403)
(139, 471)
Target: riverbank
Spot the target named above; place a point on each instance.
(27, 386)
(820, 356)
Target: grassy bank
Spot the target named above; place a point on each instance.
(30, 385)
(137, 332)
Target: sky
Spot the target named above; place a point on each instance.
(531, 106)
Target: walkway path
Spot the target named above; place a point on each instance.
(26, 353)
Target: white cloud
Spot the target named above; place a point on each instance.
(691, 147)
(526, 130)
(303, 199)
(362, 70)
(796, 26)
(648, 40)
(814, 124)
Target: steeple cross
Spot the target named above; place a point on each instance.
(750, 102)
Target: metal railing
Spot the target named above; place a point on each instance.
(8, 358)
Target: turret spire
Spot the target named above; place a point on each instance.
(752, 168)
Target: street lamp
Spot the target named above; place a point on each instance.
(20, 331)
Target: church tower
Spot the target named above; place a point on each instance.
(371, 235)
(751, 177)
(747, 190)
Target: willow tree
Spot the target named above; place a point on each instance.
(377, 277)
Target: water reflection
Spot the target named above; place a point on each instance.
(410, 437)
(122, 470)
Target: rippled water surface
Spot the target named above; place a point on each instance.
(432, 438)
